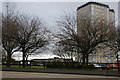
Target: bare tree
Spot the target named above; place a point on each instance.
(118, 37)
(31, 36)
(64, 46)
(24, 33)
(9, 21)
(118, 45)
(83, 36)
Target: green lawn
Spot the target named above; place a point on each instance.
(40, 67)
(17, 66)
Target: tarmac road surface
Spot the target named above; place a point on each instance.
(9, 75)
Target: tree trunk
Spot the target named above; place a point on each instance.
(87, 60)
(26, 60)
(8, 60)
(23, 61)
(83, 62)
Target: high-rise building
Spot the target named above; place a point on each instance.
(118, 15)
(119, 25)
(98, 10)
(101, 11)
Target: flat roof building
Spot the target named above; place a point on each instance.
(98, 10)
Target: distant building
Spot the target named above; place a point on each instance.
(103, 12)
(55, 59)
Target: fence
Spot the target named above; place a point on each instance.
(112, 66)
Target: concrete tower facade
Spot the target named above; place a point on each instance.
(103, 12)
(98, 10)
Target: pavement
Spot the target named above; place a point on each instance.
(67, 71)
(11, 75)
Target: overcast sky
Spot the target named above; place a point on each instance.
(50, 11)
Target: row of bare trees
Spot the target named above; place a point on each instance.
(79, 38)
(118, 43)
(118, 37)
(22, 33)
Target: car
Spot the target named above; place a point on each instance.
(97, 66)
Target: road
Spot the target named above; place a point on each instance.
(9, 74)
